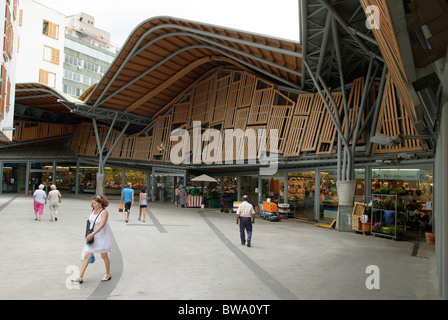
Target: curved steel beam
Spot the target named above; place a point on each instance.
(136, 49)
(242, 62)
(225, 38)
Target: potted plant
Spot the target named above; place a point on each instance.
(397, 232)
(401, 206)
(377, 227)
(377, 203)
(430, 237)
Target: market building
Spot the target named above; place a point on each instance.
(357, 101)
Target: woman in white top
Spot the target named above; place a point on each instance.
(102, 243)
(53, 196)
(143, 204)
(40, 200)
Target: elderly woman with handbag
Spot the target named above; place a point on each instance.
(97, 237)
(54, 197)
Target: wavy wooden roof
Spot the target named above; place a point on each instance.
(41, 96)
(164, 56)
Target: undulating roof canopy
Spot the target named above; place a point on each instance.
(37, 101)
(164, 56)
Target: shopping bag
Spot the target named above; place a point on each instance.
(121, 207)
(92, 259)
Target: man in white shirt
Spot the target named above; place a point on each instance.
(245, 216)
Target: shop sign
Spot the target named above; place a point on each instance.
(413, 174)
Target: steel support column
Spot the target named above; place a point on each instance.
(1, 177)
(100, 188)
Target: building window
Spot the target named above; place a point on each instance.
(48, 78)
(76, 92)
(70, 75)
(90, 66)
(88, 80)
(74, 61)
(52, 55)
(50, 29)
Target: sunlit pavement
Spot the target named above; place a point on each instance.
(189, 253)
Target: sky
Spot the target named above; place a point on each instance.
(276, 18)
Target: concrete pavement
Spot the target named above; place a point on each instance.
(194, 254)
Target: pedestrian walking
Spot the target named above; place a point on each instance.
(183, 197)
(54, 197)
(127, 197)
(143, 202)
(176, 196)
(245, 216)
(101, 239)
(40, 200)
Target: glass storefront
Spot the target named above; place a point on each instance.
(417, 183)
(249, 187)
(112, 181)
(13, 180)
(301, 194)
(87, 179)
(164, 188)
(41, 173)
(328, 197)
(273, 188)
(65, 178)
(414, 188)
(414, 184)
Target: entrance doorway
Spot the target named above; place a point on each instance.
(164, 185)
(301, 193)
(273, 188)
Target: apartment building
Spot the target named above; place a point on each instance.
(87, 54)
(9, 10)
(67, 53)
(41, 45)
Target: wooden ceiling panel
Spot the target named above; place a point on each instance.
(178, 62)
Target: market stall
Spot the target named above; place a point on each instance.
(194, 201)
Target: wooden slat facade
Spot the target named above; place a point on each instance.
(230, 99)
(394, 119)
(296, 134)
(387, 42)
(33, 130)
(315, 122)
(354, 102)
(233, 100)
(162, 133)
(328, 134)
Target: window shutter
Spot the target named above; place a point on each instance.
(8, 96)
(55, 55)
(43, 76)
(53, 30)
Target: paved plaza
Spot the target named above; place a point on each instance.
(194, 254)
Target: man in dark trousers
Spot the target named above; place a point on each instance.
(245, 216)
(127, 197)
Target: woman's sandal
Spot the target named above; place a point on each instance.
(78, 279)
(106, 277)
